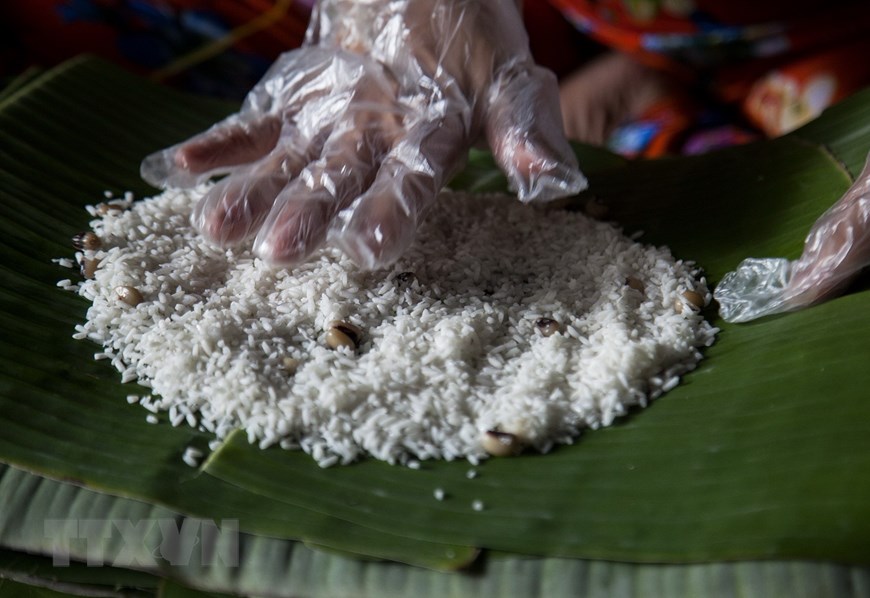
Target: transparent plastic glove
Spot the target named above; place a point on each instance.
(352, 136)
(836, 250)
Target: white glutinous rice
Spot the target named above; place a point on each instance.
(500, 317)
(191, 456)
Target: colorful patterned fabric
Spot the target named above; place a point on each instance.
(779, 64)
(214, 47)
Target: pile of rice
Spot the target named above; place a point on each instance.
(448, 353)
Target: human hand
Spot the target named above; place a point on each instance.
(352, 136)
(836, 250)
(609, 91)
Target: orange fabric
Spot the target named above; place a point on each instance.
(797, 92)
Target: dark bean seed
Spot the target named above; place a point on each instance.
(89, 267)
(501, 444)
(405, 278)
(694, 298)
(343, 334)
(129, 295)
(335, 338)
(290, 365)
(634, 283)
(547, 326)
(87, 241)
(106, 208)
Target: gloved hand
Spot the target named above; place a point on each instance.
(353, 135)
(836, 250)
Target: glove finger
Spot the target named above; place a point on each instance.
(377, 228)
(524, 129)
(755, 289)
(297, 224)
(837, 248)
(232, 142)
(299, 81)
(236, 206)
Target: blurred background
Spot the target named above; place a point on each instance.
(212, 47)
(722, 73)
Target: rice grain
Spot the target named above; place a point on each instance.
(451, 347)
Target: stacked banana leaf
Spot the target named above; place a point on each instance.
(751, 478)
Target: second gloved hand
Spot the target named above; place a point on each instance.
(836, 250)
(352, 136)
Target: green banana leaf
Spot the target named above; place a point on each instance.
(274, 567)
(20, 590)
(77, 579)
(9, 88)
(760, 454)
